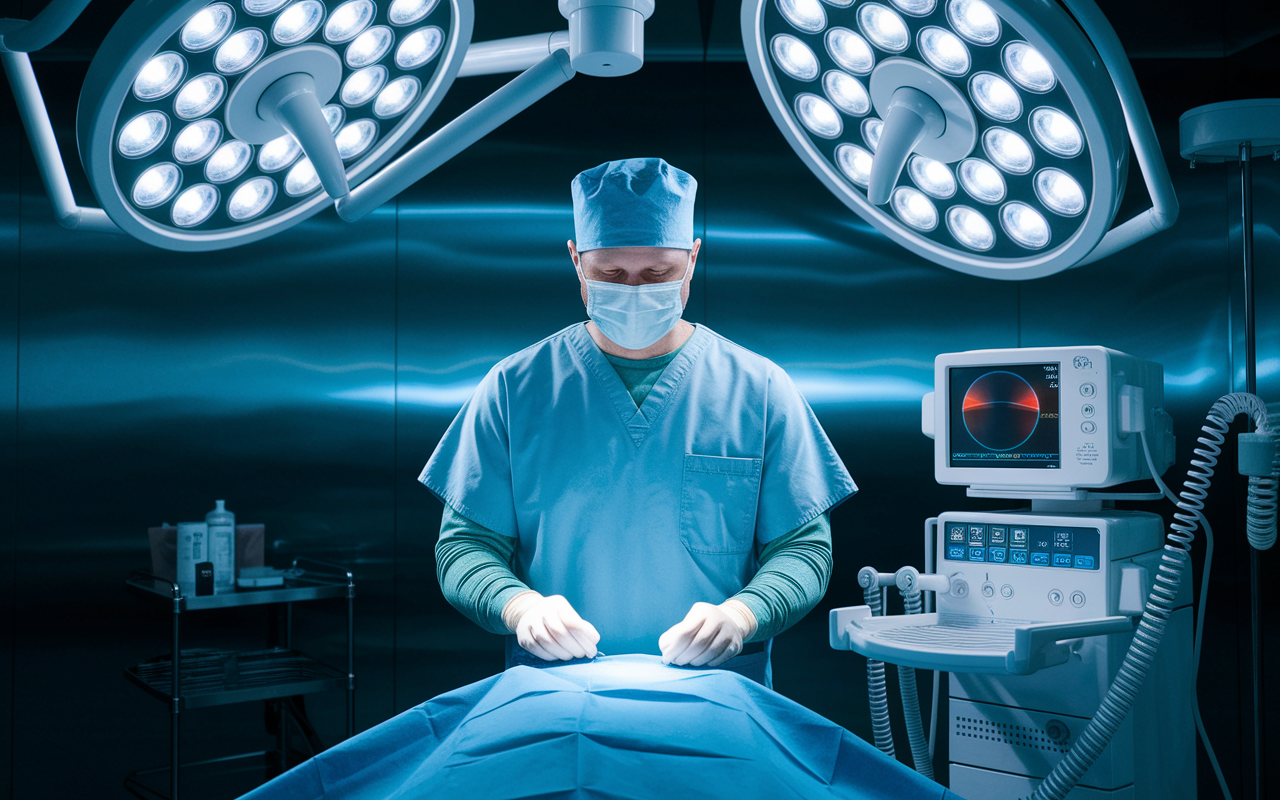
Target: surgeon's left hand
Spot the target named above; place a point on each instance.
(708, 635)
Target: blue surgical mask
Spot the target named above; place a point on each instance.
(635, 317)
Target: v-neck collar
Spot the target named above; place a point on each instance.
(638, 421)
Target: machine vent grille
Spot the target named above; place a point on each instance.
(1005, 733)
(953, 636)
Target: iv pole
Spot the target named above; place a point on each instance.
(1240, 130)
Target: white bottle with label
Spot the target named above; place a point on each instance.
(222, 547)
(193, 539)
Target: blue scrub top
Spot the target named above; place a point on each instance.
(634, 514)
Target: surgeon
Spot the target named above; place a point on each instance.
(636, 483)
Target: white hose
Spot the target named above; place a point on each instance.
(1164, 591)
(876, 692)
(911, 702)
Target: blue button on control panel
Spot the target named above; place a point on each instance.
(1062, 559)
(1084, 562)
(997, 555)
(1018, 557)
(976, 554)
(955, 552)
(1039, 559)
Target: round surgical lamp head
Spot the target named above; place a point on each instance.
(994, 142)
(206, 124)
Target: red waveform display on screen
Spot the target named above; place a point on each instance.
(1001, 410)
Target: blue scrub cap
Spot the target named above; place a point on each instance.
(637, 202)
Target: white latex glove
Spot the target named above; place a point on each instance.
(708, 635)
(549, 628)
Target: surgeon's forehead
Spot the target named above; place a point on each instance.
(632, 258)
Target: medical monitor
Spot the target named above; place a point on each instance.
(1044, 420)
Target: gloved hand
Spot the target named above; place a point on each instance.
(708, 635)
(549, 628)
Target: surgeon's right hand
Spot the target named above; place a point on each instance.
(549, 628)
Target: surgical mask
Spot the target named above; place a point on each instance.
(635, 317)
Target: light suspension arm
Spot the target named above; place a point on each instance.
(522, 91)
(22, 36)
(1164, 204)
(35, 119)
(515, 54)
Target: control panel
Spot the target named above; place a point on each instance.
(1062, 546)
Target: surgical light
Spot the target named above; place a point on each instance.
(1025, 225)
(297, 22)
(228, 162)
(206, 124)
(251, 198)
(995, 97)
(159, 77)
(156, 185)
(207, 28)
(944, 51)
(143, 134)
(883, 27)
(301, 179)
(407, 12)
(914, 208)
(201, 95)
(916, 8)
(397, 97)
(355, 138)
(195, 205)
(982, 181)
(278, 153)
(807, 15)
(933, 177)
(819, 116)
(871, 132)
(240, 51)
(974, 20)
(1008, 150)
(196, 141)
(847, 93)
(850, 51)
(260, 8)
(1028, 68)
(970, 228)
(795, 58)
(418, 48)
(363, 85)
(1010, 122)
(348, 20)
(856, 163)
(1059, 192)
(1055, 132)
(369, 47)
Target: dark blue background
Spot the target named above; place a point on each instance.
(307, 378)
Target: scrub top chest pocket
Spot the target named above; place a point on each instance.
(718, 503)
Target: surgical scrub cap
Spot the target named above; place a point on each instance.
(638, 202)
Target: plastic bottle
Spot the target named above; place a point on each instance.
(222, 547)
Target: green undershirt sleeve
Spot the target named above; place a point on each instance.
(794, 570)
(473, 565)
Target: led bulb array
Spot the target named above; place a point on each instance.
(173, 156)
(1030, 173)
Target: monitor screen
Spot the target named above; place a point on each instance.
(1004, 416)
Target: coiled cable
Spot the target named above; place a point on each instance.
(911, 701)
(876, 691)
(1146, 640)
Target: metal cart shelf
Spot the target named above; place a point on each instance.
(205, 678)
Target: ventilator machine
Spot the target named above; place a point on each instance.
(1066, 627)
